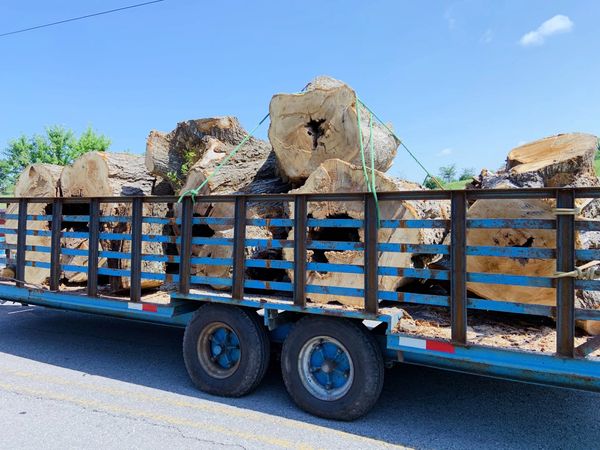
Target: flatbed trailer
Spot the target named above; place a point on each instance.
(333, 356)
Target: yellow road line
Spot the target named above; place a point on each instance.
(161, 418)
(200, 405)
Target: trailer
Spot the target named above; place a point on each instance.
(332, 356)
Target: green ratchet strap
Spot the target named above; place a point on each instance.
(371, 186)
(194, 192)
(403, 145)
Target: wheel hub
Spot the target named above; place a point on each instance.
(326, 368)
(219, 350)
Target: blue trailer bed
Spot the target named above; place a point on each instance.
(332, 354)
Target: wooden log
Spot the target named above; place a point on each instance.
(335, 175)
(100, 174)
(205, 141)
(36, 180)
(560, 160)
(563, 160)
(252, 170)
(319, 124)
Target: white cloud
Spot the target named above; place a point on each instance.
(487, 37)
(554, 25)
(445, 152)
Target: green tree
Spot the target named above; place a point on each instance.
(430, 183)
(466, 174)
(448, 173)
(57, 146)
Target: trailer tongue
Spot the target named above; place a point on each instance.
(333, 355)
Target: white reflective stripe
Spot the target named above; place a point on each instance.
(412, 342)
(134, 306)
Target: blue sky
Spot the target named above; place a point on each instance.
(461, 81)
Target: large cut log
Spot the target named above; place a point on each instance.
(560, 160)
(321, 123)
(100, 174)
(190, 154)
(171, 155)
(335, 175)
(563, 160)
(37, 180)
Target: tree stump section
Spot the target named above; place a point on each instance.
(335, 175)
(99, 174)
(562, 160)
(37, 180)
(320, 124)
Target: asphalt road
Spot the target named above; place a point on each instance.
(77, 380)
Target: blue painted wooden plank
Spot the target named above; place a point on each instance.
(511, 252)
(269, 264)
(76, 218)
(587, 225)
(510, 307)
(335, 290)
(532, 224)
(414, 223)
(409, 297)
(427, 274)
(588, 285)
(212, 241)
(414, 248)
(269, 243)
(269, 285)
(211, 280)
(587, 255)
(513, 280)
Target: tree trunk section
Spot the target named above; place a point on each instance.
(339, 176)
(320, 124)
(562, 160)
(37, 180)
(99, 174)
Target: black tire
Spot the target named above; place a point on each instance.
(364, 355)
(253, 350)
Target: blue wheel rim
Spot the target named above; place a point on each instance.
(326, 368)
(219, 350)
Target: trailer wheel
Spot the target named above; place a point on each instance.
(226, 350)
(332, 368)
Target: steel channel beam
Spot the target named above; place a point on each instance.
(300, 219)
(137, 209)
(370, 254)
(565, 287)
(187, 213)
(239, 248)
(21, 242)
(56, 227)
(458, 283)
(94, 231)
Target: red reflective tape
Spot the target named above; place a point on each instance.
(149, 308)
(439, 346)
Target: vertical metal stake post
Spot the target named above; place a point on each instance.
(300, 218)
(137, 210)
(565, 287)
(458, 284)
(55, 244)
(93, 237)
(187, 213)
(371, 283)
(239, 247)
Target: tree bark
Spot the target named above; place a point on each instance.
(321, 123)
(335, 175)
(37, 180)
(99, 174)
